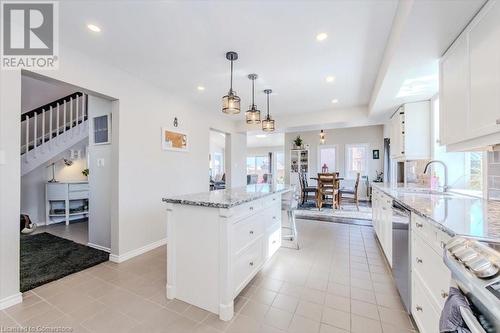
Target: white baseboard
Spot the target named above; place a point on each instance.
(137, 252)
(11, 300)
(99, 247)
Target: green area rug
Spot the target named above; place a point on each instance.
(45, 258)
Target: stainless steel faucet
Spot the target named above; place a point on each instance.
(445, 186)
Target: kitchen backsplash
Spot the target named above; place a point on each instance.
(415, 172)
(494, 175)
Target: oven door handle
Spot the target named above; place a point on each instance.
(471, 321)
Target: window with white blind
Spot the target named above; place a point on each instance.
(327, 159)
(356, 160)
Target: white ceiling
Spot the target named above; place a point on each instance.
(179, 45)
(265, 139)
(36, 93)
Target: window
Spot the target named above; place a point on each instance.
(327, 159)
(280, 168)
(356, 160)
(217, 166)
(465, 169)
(258, 166)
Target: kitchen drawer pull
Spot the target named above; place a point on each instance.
(419, 308)
(419, 261)
(274, 242)
(251, 232)
(274, 199)
(443, 244)
(444, 294)
(251, 208)
(274, 217)
(251, 263)
(419, 225)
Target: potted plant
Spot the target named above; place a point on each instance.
(85, 172)
(298, 142)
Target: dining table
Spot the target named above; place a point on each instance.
(339, 197)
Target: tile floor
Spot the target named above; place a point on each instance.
(76, 231)
(338, 282)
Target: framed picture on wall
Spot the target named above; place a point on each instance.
(174, 140)
(376, 154)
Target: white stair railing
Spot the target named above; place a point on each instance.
(39, 127)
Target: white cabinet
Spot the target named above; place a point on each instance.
(454, 94)
(299, 162)
(66, 201)
(382, 221)
(410, 132)
(484, 52)
(213, 253)
(470, 85)
(430, 276)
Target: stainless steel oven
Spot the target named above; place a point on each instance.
(474, 266)
(401, 268)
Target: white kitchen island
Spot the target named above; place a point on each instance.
(218, 241)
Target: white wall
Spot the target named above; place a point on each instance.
(144, 172)
(371, 135)
(33, 183)
(100, 171)
(236, 155)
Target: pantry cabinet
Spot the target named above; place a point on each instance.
(470, 85)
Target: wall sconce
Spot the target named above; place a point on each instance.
(322, 137)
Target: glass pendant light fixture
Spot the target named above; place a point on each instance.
(268, 123)
(231, 102)
(253, 114)
(322, 136)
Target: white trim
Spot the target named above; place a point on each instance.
(99, 247)
(11, 300)
(134, 253)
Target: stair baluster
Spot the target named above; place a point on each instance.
(27, 144)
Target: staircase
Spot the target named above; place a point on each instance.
(51, 129)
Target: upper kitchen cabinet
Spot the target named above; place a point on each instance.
(470, 85)
(410, 132)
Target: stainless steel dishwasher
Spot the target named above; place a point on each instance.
(401, 267)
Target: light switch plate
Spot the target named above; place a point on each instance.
(100, 162)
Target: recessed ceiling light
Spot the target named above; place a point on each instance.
(330, 79)
(200, 88)
(321, 36)
(261, 136)
(93, 27)
(335, 101)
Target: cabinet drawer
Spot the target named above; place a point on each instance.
(246, 264)
(56, 191)
(271, 200)
(272, 239)
(76, 195)
(246, 208)
(272, 215)
(423, 228)
(247, 230)
(424, 313)
(429, 266)
(78, 187)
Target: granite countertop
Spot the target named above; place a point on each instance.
(229, 197)
(453, 213)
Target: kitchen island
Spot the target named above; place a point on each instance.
(218, 241)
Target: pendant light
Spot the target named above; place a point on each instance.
(231, 102)
(322, 137)
(268, 123)
(253, 114)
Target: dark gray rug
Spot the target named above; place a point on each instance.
(45, 258)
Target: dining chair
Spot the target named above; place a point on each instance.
(352, 191)
(327, 190)
(305, 189)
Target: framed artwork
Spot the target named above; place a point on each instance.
(376, 154)
(174, 140)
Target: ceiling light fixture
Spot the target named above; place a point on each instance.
(321, 36)
(268, 123)
(93, 27)
(200, 88)
(231, 102)
(330, 79)
(335, 101)
(253, 114)
(322, 137)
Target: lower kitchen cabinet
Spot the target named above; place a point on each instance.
(430, 276)
(382, 221)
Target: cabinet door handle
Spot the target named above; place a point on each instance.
(444, 294)
(274, 199)
(251, 263)
(419, 261)
(419, 308)
(274, 242)
(251, 208)
(419, 225)
(443, 244)
(274, 217)
(251, 232)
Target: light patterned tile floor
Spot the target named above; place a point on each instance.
(337, 282)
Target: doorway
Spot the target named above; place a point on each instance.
(217, 160)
